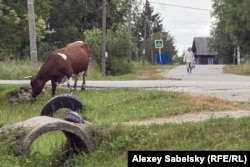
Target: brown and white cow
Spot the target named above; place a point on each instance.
(67, 62)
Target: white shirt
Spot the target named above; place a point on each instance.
(188, 57)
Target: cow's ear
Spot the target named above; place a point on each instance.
(28, 77)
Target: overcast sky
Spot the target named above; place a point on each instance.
(184, 19)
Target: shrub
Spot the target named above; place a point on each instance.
(116, 66)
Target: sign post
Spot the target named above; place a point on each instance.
(238, 54)
(159, 45)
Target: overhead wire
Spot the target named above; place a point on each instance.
(180, 6)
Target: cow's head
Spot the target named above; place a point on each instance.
(36, 86)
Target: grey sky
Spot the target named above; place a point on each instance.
(184, 19)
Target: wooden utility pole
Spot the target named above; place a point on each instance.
(104, 12)
(32, 33)
(129, 27)
(145, 32)
(151, 46)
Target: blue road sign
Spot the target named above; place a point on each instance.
(159, 43)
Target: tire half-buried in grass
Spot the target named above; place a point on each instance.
(72, 117)
(62, 101)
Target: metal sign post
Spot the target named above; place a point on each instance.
(159, 45)
(238, 54)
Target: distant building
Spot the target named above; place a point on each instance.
(203, 54)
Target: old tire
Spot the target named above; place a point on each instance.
(61, 101)
(72, 117)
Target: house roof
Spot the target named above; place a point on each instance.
(201, 46)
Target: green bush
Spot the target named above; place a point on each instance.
(118, 48)
(116, 66)
(44, 49)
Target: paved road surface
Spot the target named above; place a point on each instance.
(210, 80)
(204, 73)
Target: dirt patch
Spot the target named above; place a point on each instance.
(22, 94)
(230, 95)
(192, 117)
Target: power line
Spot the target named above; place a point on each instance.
(179, 6)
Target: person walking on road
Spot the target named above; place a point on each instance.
(189, 59)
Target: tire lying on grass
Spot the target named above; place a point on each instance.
(72, 117)
(26, 132)
(61, 101)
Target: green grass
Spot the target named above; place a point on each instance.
(242, 69)
(17, 70)
(116, 105)
(106, 106)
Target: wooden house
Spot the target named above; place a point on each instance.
(203, 54)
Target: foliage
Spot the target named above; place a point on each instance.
(44, 48)
(118, 66)
(15, 32)
(12, 69)
(118, 48)
(154, 21)
(60, 22)
(231, 28)
(57, 22)
(93, 39)
(154, 30)
(8, 19)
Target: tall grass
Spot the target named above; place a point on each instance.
(18, 69)
(13, 69)
(242, 69)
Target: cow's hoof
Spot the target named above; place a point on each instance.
(83, 87)
(72, 117)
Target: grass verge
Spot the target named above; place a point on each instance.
(105, 106)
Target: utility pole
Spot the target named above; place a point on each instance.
(150, 36)
(129, 26)
(104, 12)
(145, 32)
(32, 33)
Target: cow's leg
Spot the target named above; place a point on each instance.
(68, 84)
(53, 88)
(83, 81)
(75, 80)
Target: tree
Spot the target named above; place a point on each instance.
(117, 49)
(153, 27)
(8, 20)
(69, 19)
(14, 26)
(231, 28)
(221, 41)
